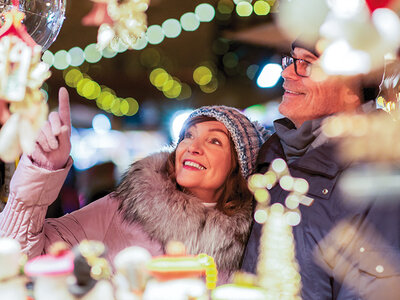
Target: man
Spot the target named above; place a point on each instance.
(338, 247)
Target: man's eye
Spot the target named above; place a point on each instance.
(188, 135)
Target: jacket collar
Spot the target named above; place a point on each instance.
(321, 160)
(148, 196)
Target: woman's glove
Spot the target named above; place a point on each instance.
(53, 144)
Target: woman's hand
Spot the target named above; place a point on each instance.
(53, 144)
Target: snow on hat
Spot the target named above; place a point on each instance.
(247, 136)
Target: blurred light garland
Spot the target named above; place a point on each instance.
(155, 34)
(171, 87)
(106, 98)
(245, 8)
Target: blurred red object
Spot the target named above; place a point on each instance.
(4, 112)
(375, 4)
(98, 15)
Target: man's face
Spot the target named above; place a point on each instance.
(306, 98)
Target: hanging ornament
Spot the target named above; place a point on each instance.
(375, 4)
(121, 22)
(21, 75)
(42, 18)
(98, 15)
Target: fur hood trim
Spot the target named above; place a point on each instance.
(146, 195)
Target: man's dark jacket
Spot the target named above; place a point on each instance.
(360, 258)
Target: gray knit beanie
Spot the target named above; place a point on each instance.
(247, 136)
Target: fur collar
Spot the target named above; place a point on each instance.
(147, 196)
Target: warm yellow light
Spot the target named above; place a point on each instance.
(154, 74)
(261, 8)
(72, 77)
(202, 75)
(244, 9)
(133, 106)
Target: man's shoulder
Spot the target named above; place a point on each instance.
(270, 150)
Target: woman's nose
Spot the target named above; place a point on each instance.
(195, 147)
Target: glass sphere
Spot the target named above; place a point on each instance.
(43, 18)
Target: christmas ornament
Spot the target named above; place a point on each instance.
(375, 4)
(177, 276)
(92, 272)
(98, 15)
(22, 73)
(131, 273)
(122, 22)
(51, 272)
(42, 18)
(12, 285)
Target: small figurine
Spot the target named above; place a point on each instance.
(177, 276)
(50, 273)
(244, 286)
(131, 272)
(92, 272)
(12, 285)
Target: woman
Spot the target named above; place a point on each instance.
(196, 194)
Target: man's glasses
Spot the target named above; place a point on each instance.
(301, 66)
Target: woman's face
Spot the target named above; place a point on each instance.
(203, 159)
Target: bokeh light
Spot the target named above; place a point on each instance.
(269, 75)
(261, 8)
(177, 121)
(77, 56)
(92, 55)
(171, 28)
(244, 9)
(62, 60)
(202, 75)
(230, 60)
(205, 12)
(190, 21)
(150, 57)
(48, 57)
(72, 77)
(155, 34)
(225, 7)
(101, 123)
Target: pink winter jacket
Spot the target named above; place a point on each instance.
(147, 210)
(33, 189)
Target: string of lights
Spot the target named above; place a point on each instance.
(172, 87)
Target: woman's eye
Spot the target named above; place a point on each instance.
(188, 135)
(216, 141)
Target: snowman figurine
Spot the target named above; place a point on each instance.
(51, 272)
(131, 272)
(12, 286)
(92, 272)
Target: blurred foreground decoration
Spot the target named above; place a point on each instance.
(121, 23)
(42, 18)
(371, 142)
(278, 274)
(361, 259)
(22, 75)
(354, 37)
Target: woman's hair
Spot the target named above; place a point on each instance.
(234, 191)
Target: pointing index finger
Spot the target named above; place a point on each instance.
(64, 108)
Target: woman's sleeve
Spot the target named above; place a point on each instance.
(32, 190)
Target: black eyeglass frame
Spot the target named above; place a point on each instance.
(293, 60)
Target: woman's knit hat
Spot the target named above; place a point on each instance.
(247, 136)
